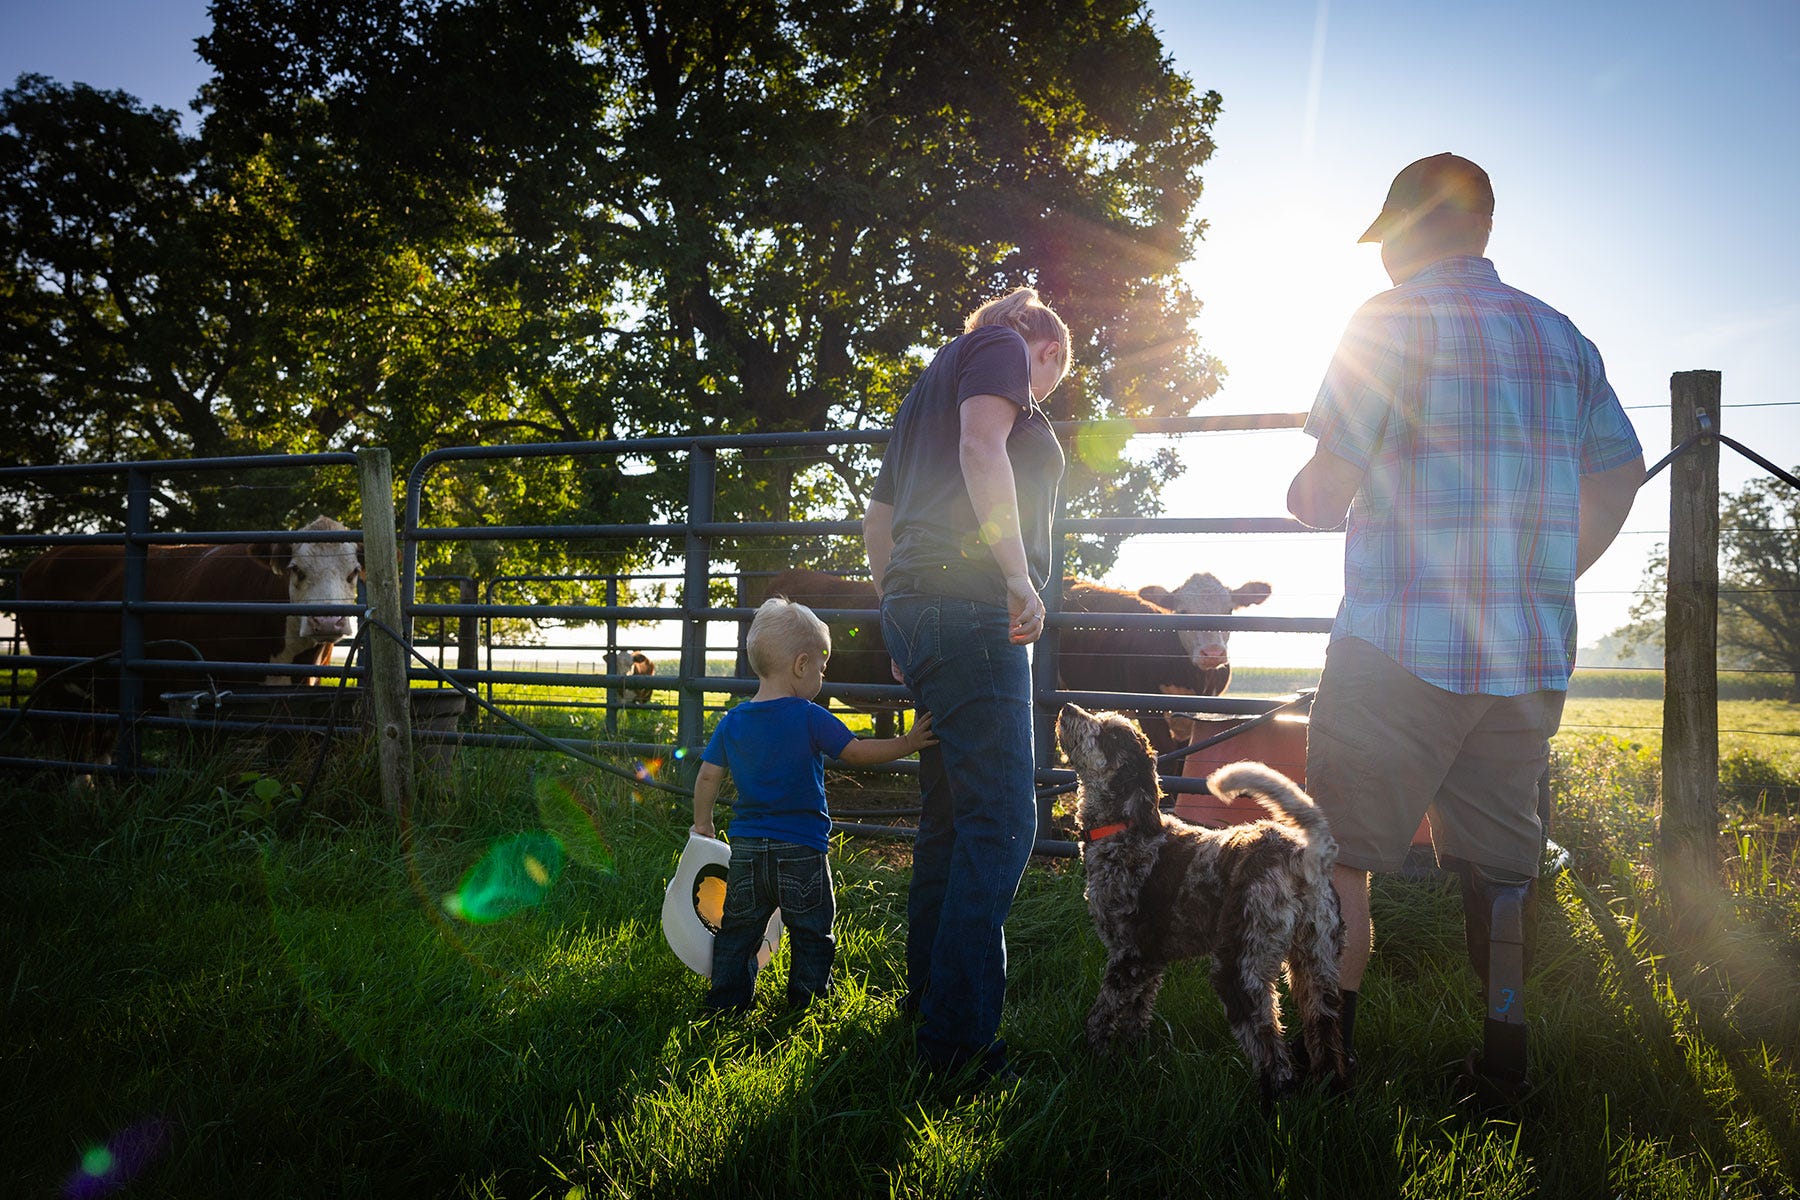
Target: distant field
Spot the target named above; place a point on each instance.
(1595, 682)
(1587, 682)
(1753, 714)
(1768, 729)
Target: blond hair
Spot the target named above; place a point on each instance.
(1021, 309)
(780, 631)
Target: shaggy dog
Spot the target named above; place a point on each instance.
(1253, 897)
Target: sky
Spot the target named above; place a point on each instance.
(1645, 161)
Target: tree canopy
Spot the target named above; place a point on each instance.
(418, 224)
(1759, 583)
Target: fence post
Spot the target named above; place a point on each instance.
(1044, 657)
(691, 709)
(611, 659)
(468, 636)
(487, 635)
(1688, 832)
(131, 618)
(387, 658)
(14, 637)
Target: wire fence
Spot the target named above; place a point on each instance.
(429, 622)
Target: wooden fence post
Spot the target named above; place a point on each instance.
(1688, 831)
(387, 658)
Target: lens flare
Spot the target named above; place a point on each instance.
(681, 753)
(1101, 444)
(646, 769)
(515, 874)
(105, 1169)
(571, 824)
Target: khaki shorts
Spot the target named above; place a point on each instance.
(1384, 748)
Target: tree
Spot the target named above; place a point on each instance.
(1759, 583)
(766, 209)
(171, 296)
(439, 223)
(1759, 592)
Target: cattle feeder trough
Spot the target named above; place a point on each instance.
(294, 716)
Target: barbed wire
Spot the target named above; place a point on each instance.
(1751, 404)
(1772, 733)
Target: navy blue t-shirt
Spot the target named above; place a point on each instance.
(774, 750)
(937, 545)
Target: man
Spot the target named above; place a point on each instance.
(1468, 433)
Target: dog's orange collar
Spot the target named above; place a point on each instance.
(1105, 831)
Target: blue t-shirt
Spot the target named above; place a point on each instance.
(775, 751)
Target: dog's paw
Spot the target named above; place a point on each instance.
(1276, 1086)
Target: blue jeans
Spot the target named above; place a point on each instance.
(979, 816)
(765, 875)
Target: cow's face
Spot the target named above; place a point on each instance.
(1204, 594)
(319, 573)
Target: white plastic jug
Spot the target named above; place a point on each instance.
(694, 905)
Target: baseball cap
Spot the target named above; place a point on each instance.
(1442, 181)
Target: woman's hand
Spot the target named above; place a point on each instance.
(1026, 609)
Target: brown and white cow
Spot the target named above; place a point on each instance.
(1186, 662)
(323, 573)
(631, 662)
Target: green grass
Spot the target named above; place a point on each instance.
(301, 1013)
(283, 989)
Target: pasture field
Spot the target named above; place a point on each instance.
(223, 991)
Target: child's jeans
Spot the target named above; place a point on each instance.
(766, 874)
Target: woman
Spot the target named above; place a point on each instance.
(958, 534)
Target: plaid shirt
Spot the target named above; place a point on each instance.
(1475, 410)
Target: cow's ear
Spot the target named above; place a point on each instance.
(273, 555)
(1254, 592)
(1157, 595)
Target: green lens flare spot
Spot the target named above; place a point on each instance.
(1101, 445)
(96, 1161)
(515, 874)
(571, 825)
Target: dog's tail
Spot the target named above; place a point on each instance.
(1277, 793)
